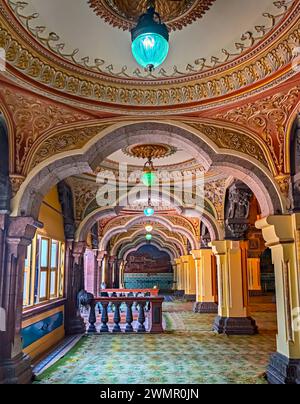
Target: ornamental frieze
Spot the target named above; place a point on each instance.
(32, 118)
(229, 139)
(268, 117)
(53, 41)
(84, 192)
(65, 141)
(145, 94)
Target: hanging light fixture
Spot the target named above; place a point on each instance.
(149, 177)
(149, 210)
(148, 228)
(150, 39)
(148, 237)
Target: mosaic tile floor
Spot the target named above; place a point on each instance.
(187, 353)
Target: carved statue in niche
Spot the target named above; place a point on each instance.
(66, 201)
(205, 236)
(237, 209)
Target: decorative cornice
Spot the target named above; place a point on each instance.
(55, 44)
(271, 55)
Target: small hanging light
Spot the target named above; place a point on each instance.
(148, 237)
(149, 228)
(149, 177)
(150, 39)
(149, 210)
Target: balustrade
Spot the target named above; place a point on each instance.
(126, 314)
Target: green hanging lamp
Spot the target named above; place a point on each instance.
(150, 40)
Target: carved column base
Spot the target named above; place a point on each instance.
(206, 307)
(75, 326)
(16, 371)
(190, 298)
(235, 326)
(179, 293)
(282, 370)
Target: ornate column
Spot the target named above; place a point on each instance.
(180, 281)
(175, 277)
(254, 280)
(74, 323)
(282, 236)
(112, 271)
(15, 367)
(190, 277)
(101, 274)
(206, 294)
(233, 315)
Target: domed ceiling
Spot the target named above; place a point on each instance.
(94, 34)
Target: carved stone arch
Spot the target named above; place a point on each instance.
(164, 221)
(50, 172)
(124, 251)
(5, 184)
(156, 232)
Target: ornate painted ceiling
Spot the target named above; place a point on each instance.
(76, 55)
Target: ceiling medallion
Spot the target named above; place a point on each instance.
(147, 151)
(124, 14)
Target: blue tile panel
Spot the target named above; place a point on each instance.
(38, 330)
(144, 281)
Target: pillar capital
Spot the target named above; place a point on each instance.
(279, 229)
(196, 254)
(221, 247)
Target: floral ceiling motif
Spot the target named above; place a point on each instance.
(33, 117)
(268, 118)
(53, 42)
(124, 14)
(146, 151)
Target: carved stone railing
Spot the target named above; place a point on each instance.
(142, 314)
(135, 292)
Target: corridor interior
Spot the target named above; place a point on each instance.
(187, 353)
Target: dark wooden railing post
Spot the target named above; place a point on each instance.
(129, 317)
(141, 319)
(104, 317)
(117, 317)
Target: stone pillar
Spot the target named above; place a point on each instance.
(74, 323)
(15, 367)
(175, 276)
(180, 280)
(91, 271)
(206, 294)
(254, 280)
(282, 236)
(190, 277)
(113, 271)
(233, 315)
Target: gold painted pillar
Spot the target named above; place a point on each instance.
(282, 236)
(206, 294)
(189, 277)
(180, 277)
(254, 280)
(175, 276)
(233, 315)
